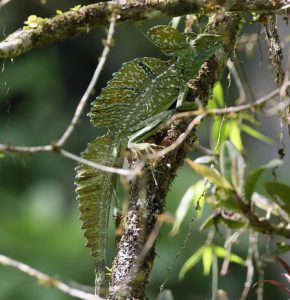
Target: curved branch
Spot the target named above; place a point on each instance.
(72, 23)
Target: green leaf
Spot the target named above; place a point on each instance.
(211, 174)
(235, 134)
(207, 260)
(191, 262)
(182, 209)
(233, 166)
(253, 178)
(211, 104)
(165, 295)
(2, 155)
(283, 247)
(219, 95)
(218, 98)
(256, 134)
(222, 252)
(282, 191)
(210, 221)
(250, 118)
(193, 194)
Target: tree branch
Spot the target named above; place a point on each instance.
(46, 280)
(72, 23)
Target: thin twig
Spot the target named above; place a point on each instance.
(51, 148)
(261, 272)
(201, 114)
(253, 240)
(46, 280)
(129, 173)
(202, 149)
(83, 102)
(228, 247)
(238, 81)
(23, 149)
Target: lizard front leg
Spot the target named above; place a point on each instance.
(148, 128)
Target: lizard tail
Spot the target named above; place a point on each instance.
(94, 189)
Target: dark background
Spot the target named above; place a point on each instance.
(39, 222)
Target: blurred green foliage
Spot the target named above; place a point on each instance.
(38, 211)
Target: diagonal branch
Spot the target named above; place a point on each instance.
(72, 23)
(83, 102)
(46, 280)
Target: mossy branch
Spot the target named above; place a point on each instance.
(74, 22)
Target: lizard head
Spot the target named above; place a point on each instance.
(174, 43)
(205, 45)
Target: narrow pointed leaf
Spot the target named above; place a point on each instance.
(193, 194)
(235, 135)
(250, 118)
(210, 221)
(256, 134)
(182, 209)
(253, 178)
(219, 95)
(191, 262)
(282, 191)
(210, 174)
(222, 252)
(233, 166)
(207, 260)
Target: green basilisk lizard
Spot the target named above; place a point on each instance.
(137, 97)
